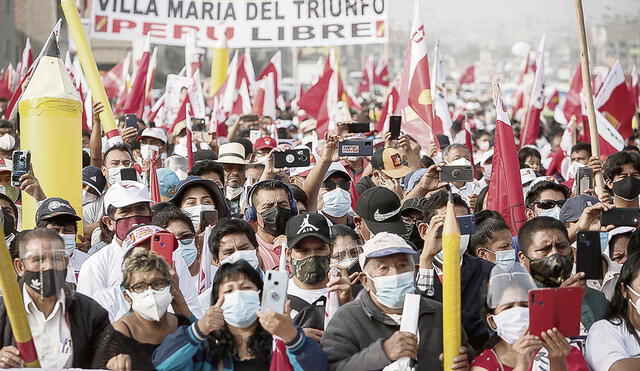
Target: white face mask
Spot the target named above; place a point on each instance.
(233, 193)
(114, 175)
(554, 212)
(249, 256)
(484, 145)
(635, 304)
(149, 151)
(573, 169)
(7, 142)
(69, 243)
(464, 243)
(336, 202)
(195, 211)
(486, 169)
(505, 259)
(511, 323)
(88, 197)
(460, 162)
(151, 304)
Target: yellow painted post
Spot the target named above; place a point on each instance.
(451, 286)
(51, 128)
(90, 70)
(219, 65)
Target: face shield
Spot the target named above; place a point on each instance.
(508, 287)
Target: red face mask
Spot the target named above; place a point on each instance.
(124, 225)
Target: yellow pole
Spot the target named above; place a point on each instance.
(219, 64)
(51, 128)
(90, 70)
(451, 319)
(15, 307)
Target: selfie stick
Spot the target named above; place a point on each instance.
(451, 319)
(15, 307)
(588, 94)
(90, 70)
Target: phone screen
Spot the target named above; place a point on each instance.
(394, 126)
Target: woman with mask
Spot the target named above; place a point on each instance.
(346, 247)
(129, 342)
(234, 334)
(621, 326)
(512, 347)
(199, 196)
(492, 240)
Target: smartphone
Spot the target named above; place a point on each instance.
(394, 126)
(459, 173)
(584, 179)
(274, 292)
(353, 268)
(208, 217)
(131, 121)
(198, 124)
(358, 127)
(129, 173)
(588, 255)
(557, 307)
(620, 217)
(21, 165)
(355, 148)
(164, 244)
(292, 158)
(467, 224)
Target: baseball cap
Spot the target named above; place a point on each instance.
(573, 207)
(168, 181)
(139, 235)
(231, 153)
(541, 179)
(384, 244)
(380, 208)
(92, 176)
(155, 133)
(307, 225)
(264, 143)
(413, 178)
(125, 193)
(192, 180)
(3, 166)
(52, 207)
(336, 167)
(389, 161)
(415, 203)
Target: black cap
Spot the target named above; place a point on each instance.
(92, 176)
(376, 160)
(307, 225)
(192, 180)
(415, 203)
(381, 210)
(52, 207)
(573, 207)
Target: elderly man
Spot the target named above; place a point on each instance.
(364, 334)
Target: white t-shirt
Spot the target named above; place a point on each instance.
(307, 295)
(608, 343)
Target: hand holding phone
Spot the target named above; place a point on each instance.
(394, 126)
(274, 294)
(292, 158)
(557, 307)
(589, 255)
(164, 244)
(21, 165)
(131, 121)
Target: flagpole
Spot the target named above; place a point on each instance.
(586, 86)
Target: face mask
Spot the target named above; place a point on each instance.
(124, 225)
(486, 169)
(627, 189)
(151, 304)
(188, 250)
(336, 202)
(233, 193)
(249, 256)
(88, 197)
(464, 243)
(554, 212)
(114, 174)
(240, 308)
(637, 303)
(573, 169)
(7, 142)
(275, 220)
(312, 269)
(87, 150)
(11, 192)
(148, 151)
(69, 243)
(413, 236)
(460, 162)
(347, 263)
(552, 270)
(511, 323)
(195, 212)
(484, 145)
(505, 259)
(391, 290)
(46, 283)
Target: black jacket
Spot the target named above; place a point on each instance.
(87, 319)
(364, 184)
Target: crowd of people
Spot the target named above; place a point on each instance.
(363, 230)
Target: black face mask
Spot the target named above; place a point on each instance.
(46, 283)
(275, 220)
(628, 188)
(413, 236)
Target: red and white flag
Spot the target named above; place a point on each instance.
(365, 84)
(390, 105)
(381, 75)
(442, 120)
(468, 142)
(505, 194)
(468, 75)
(552, 101)
(116, 78)
(531, 128)
(274, 67)
(5, 85)
(615, 101)
(135, 102)
(26, 61)
(314, 100)
(573, 103)
(558, 163)
(242, 104)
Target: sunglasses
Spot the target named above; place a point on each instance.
(330, 185)
(549, 204)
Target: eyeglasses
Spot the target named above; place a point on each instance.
(549, 204)
(330, 185)
(409, 220)
(141, 287)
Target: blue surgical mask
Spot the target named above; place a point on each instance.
(69, 243)
(249, 256)
(505, 259)
(240, 308)
(188, 250)
(391, 290)
(554, 212)
(336, 202)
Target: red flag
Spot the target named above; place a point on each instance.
(156, 108)
(5, 90)
(312, 100)
(469, 144)
(381, 75)
(419, 98)
(275, 67)
(279, 358)
(390, 106)
(26, 61)
(468, 76)
(242, 104)
(366, 81)
(572, 105)
(136, 97)
(615, 101)
(552, 101)
(505, 194)
(182, 113)
(151, 75)
(531, 128)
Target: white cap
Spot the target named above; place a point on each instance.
(156, 133)
(620, 230)
(541, 179)
(485, 157)
(125, 193)
(139, 235)
(384, 244)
